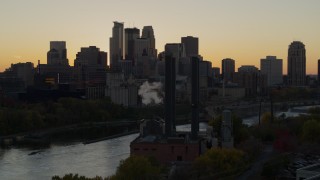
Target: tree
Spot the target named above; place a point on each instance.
(310, 131)
(76, 177)
(137, 168)
(218, 160)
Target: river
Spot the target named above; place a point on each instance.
(101, 158)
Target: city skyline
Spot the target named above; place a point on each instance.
(244, 31)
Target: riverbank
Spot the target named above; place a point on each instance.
(83, 132)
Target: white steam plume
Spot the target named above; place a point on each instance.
(150, 92)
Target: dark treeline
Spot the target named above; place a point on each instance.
(21, 117)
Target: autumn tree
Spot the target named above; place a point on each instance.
(220, 160)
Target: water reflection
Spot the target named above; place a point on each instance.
(100, 158)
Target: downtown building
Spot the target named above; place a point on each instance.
(116, 45)
(131, 34)
(17, 78)
(57, 70)
(121, 91)
(177, 50)
(146, 53)
(191, 45)
(90, 68)
(296, 64)
(228, 69)
(272, 67)
(250, 78)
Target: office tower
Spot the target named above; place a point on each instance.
(178, 51)
(228, 68)
(131, 34)
(191, 45)
(57, 55)
(272, 67)
(116, 45)
(90, 67)
(170, 94)
(141, 46)
(297, 64)
(147, 33)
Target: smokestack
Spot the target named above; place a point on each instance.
(195, 97)
(170, 94)
(38, 66)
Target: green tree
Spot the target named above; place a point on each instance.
(137, 168)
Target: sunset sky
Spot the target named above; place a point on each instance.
(245, 30)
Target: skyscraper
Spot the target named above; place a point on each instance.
(177, 51)
(297, 64)
(191, 45)
(57, 55)
(147, 33)
(228, 68)
(116, 45)
(272, 67)
(131, 34)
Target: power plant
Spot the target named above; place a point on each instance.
(159, 138)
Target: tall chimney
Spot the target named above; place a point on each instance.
(38, 66)
(195, 97)
(170, 94)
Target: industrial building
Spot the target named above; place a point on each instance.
(159, 138)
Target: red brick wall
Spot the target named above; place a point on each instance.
(165, 152)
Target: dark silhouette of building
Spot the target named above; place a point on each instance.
(297, 64)
(116, 45)
(177, 51)
(57, 55)
(57, 69)
(131, 34)
(23, 71)
(228, 68)
(90, 68)
(191, 45)
(250, 78)
(148, 33)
